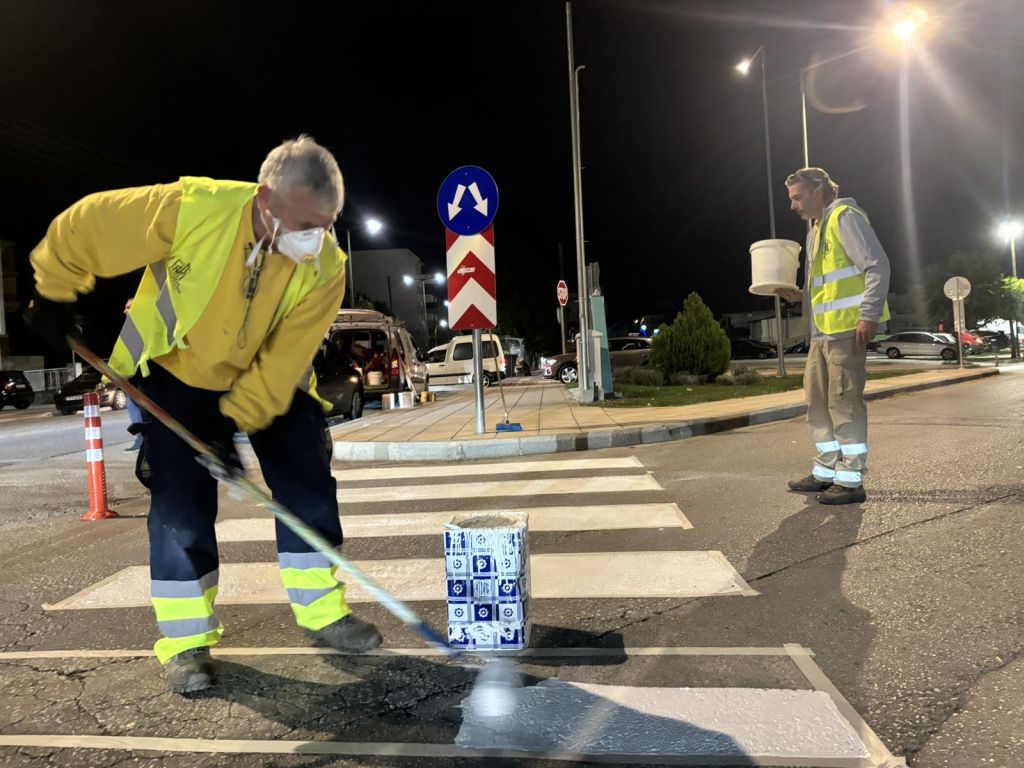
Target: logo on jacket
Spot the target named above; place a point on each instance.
(178, 271)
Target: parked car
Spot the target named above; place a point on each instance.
(918, 344)
(452, 363)
(995, 340)
(623, 351)
(800, 348)
(378, 349)
(339, 382)
(748, 349)
(970, 348)
(15, 390)
(69, 397)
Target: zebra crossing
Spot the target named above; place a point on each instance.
(771, 726)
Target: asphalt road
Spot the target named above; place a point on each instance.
(909, 603)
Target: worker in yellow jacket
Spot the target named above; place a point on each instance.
(846, 282)
(241, 282)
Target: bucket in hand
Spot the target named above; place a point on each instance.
(773, 264)
(375, 378)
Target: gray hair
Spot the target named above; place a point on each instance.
(816, 178)
(303, 162)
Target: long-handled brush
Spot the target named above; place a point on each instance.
(506, 425)
(497, 687)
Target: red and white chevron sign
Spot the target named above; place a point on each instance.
(472, 292)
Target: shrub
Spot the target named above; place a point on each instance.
(694, 343)
(687, 379)
(648, 377)
(739, 377)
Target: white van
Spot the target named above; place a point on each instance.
(452, 363)
(379, 348)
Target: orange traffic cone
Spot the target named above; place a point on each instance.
(94, 461)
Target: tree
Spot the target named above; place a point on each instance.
(988, 299)
(694, 343)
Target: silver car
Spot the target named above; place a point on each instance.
(918, 344)
(624, 351)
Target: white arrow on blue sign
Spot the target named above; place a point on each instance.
(467, 200)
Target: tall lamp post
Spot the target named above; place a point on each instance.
(436, 278)
(743, 68)
(1011, 230)
(373, 227)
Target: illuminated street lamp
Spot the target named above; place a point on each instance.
(1010, 230)
(437, 278)
(373, 227)
(743, 68)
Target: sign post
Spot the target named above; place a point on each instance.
(466, 204)
(562, 292)
(956, 290)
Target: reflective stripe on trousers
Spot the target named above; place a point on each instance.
(316, 596)
(184, 614)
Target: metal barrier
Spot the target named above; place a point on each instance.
(43, 379)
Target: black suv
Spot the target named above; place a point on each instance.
(15, 390)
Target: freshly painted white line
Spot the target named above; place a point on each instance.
(492, 468)
(879, 752)
(381, 749)
(590, 518)
(560, 716)
(306, 650)
(783, 720)
(506, 488)
(572, 575)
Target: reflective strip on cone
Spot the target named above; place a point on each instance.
(97, 475)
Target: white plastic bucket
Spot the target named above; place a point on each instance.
(375, 378)
(773, 264)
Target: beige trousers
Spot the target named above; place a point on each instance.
(836, 412)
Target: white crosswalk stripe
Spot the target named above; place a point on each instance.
(606, 517)
(506, 488)
(498, 468)
(767, 724)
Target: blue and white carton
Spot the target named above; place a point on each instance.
(487, 565)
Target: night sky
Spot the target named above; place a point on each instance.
(99, 95)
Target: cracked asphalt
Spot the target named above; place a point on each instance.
(909, 602)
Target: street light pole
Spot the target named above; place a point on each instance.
(743, 68)
(351, 278)
(583, 345)
(1015, 346)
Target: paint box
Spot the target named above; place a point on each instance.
(487, 565)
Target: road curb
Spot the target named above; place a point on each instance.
(532, 445)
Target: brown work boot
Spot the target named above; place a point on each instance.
(809, 484)
(190, 671)
(349, 635)
(839, 494)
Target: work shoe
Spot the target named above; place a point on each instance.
(190, 671)
(839, 494)
(348, 634)
(809, 484)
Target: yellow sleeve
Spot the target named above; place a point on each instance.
(105, 235)
(265, 390)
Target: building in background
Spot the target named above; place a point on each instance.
(378, 276)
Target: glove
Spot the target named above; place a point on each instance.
(52, 322)
(223, 447)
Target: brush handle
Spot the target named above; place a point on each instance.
(210, 460)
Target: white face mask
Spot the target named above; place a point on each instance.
(301, 246)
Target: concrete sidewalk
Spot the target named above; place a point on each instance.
(553, 421)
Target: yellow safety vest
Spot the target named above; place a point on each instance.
(837, 284)
(174, 292)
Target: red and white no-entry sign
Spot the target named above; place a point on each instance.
(472, 290)
(563, 293)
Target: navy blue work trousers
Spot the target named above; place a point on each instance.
(294, 453)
